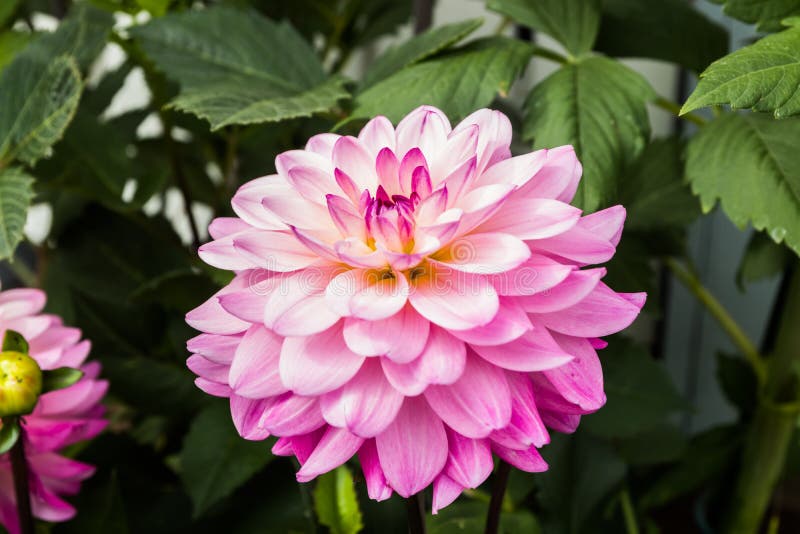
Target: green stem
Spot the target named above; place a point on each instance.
(416, 514)
(773, 426)
(547, 53)
(503, 26)
(19, 468)
(498, 494)
(675, 109)
(24, 273)
(631, 526)
(718, 311)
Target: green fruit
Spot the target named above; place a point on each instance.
(20, 383)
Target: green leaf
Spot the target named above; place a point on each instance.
(598, 106)
(335, 502)
(157, 8)
(215, 460)
(470, 518)
(15, 342)
(739, 383)
(640, 393)
(573, 23)
(261, 72)
(670, 30)
(654, 192)
(9, 433)
(420, 47)
(11, 43)
(762, 258)
(60, 378)
(583, 471)
(16, 193)
(750, 163)
(766, 14)
(7, 10)
(458, 82)
(763, 76)
(36, 104)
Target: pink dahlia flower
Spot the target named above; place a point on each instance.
(61, 417)
(414, 296)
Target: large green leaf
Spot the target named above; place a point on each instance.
(16, 193)
(598, 106)
(750, 163)
(573, 23)
(236, 67)
(11, 43)
(763, 76)
(415, 50)
(215, 460)
(762, 258)
(654, 192)
(336, 503)
(458, 82)
(671, 30)
(639, 390)
(767, 14)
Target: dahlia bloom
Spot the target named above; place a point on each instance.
(414, 296)
(60, 418)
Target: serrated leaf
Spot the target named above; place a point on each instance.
(336, 503)
(15, 342)
(598, 106)
(458, 82)
(654, 192)
(762, 258)
(764, 76)
(640, 393)
(9, 433)
(766, 14)
(215, 460)
(60, 378)
(415, 50)
(261, 72)
(573, 23)
(36, 104)
(750, 164)
(82, 34)
(670, 30)
(16, 193)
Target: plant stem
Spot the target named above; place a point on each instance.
(547, 53)
(19, 468)
(503, 26)
(24, 273)
(718, 311)
(416, 514)
(675, 109)
(773, 426)
(498, 492)
(631, 527)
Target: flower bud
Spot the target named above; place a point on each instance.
(20, 383)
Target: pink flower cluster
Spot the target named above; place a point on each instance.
(61, 417)
(415, 296)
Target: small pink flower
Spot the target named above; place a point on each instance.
(61, 417)
(414, 296)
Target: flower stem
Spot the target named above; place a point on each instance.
(631, 527)
(773, 426)
(498, 493)
(718, 311)
(675, 109)
(416, 514)
(19, 468)
(552, 55)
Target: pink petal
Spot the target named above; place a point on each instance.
(454, 299)
(214, 389)
(246, 414)
(445, 492)
(388, 169)
(485, 253)
(475, 405)
(517, 170)
(470, 461)
(275, 251)
(528, 460)
(346, 218)
(607, 223)
(378, 488)
(295, 304)
(350, 156)
(510, 323)
(290, 415)
(460, 180)
(377, 134)
(426, 128)
(222, 255)
(225, 226)
(571, 291)
(526, 427)
(295, 210)
(365, 405)
(208, 369)
(494, 137)
(318, 363)
(558, 178)
(481, 204)
(248, 304)
(247, 202)
(211, 318)
(356, 253)
(401, 337)
(412, 160)
(312, 183)
(335, 448)
(21, 302)
(592, 240)
(319, 242)
(533, 351)
(441, 362)
(460, 147)
(538, 273)
(367, 294)
(581, 380)
(322, 144)
(413, 449)
(254, 372)
(534, 218)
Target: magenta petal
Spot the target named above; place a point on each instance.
(535, 218)
(248, 304)
(412, 160)
(350, 156)
(526, 427)
(538, 273)
(246, 414)
(401, 337)
(367, 294)
(494, 136)
(603, 312)
(442, 362)
(413, 449)
(510, 323)
(318, 363)
(365, 405)
(378, 488)
(211, 318)
(535, 350)
(528, 460)
(486, 253)
(477, 403)
(558, 178)
(445, 491)
(581, 380)
(290, 415)
(469, 462)
(566, 294)
(254, 371)
(335, 448)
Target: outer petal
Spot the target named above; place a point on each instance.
(517, 170)
(469, 462)
(581, 380)
(335, 448)
(354, 160)
(254, 372)
(494, 137)
(445, 492)
(571, 291)
(211, 318)
(21, 302)
(533, 351)
(528, 460)
(475, 405)
(426, 128)
(526, 428)
(275, 251)
(246, 414)
(377, 134)
(532, 218)
(378, 488)
(290, 415)
(538, 273)
(558, 178)
(413, 449)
